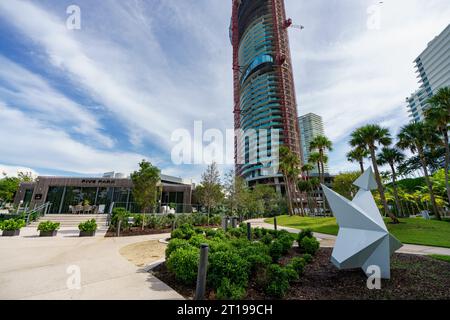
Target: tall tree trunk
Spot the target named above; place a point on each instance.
(394, 184)
(322, 168)
(447, 162)
(380, 187)
(288, 194)
(429, 184)
(361, 165)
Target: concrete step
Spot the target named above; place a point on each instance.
(69, 220)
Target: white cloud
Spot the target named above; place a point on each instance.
(13, 171)
(33, 145)
(29, 91)
(351, 75)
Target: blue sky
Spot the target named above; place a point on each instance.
(101, 98)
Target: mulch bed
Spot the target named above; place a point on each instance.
(412, 277)
(136, 231)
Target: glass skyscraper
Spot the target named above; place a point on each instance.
(433, 68)
(311, 126)
(264, 92)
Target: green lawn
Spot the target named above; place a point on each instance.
(440, 257)
(412, 230)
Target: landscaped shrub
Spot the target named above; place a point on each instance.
(267, 239)
(184, 264)
(48, 226)
(286, 240)
(235, 232)
(185, 231)
(197, 240)
(12, 224)
(298, 264)
(233, 259)
(276, 250)
(88, 226)
(309, 245)
(305, 233)
(230, 265)
(176, 244)
(215, 220)
(230, 291)
(257, 232)
(307, 257)
(278, 281)
(120, 214)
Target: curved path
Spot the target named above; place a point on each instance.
(37, 268)
(327, 240)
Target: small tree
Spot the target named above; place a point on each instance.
(146, 182)
(209, 192)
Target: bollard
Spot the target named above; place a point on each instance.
(173, 225)
(275, 222)
(201, 275)
(118, 227)
(249, 231)
(233, 222)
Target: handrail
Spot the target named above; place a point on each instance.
(44, 206)
(109, 216)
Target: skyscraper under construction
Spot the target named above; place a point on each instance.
(264, 91)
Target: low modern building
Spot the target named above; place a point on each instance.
(311, 126)
(433, 68)
(66, 194)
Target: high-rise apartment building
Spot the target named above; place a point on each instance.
(264, 93)
(311, 126)
(433, 68)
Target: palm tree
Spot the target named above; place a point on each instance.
(289, 166)
(321, 144)
(314, 159)
(307, 168)
(358, 155)
(368, 138)
(417, 137)
(439, 117)
(306, 186)
(392, 156)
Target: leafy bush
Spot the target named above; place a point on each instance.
(298, 264)
(235, 232)
(88, 226)
(197, 240)
(120, 214)
(12, 224)
(309, 245)
(215, 220)
(230, 265)
(307, 257)
(48, 226)
(267, 239)
(176, 244)
(184, 264)
(230, 291)
(304, 234)
(278, 280)
(276, 250)
(185, 231)
(286, 240)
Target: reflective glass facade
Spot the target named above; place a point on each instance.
(262, 93)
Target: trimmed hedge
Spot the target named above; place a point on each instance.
(234, 260)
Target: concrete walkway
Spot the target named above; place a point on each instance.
(37, 268)
(327, 240)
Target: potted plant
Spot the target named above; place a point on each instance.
(87, 228)
(11, 227)
(48, 228)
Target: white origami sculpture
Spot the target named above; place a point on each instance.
(363, 239)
